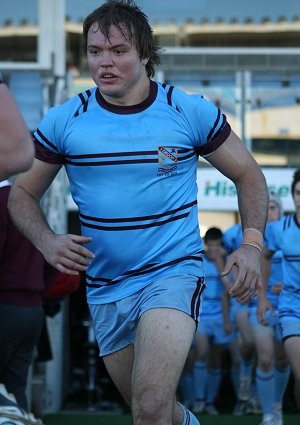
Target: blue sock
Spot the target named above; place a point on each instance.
(235, 379)
(281, 377)
(213, 384)
(187, 387)
(200, 380)
(188, 417)
(245, 367)
(265, 390)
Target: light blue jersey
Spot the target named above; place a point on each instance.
(132, 173)
(284, 235)
(211, 305)
(232, 238)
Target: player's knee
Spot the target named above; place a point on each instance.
(150, 404)
(265, 363)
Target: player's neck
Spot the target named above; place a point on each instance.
(135, 96)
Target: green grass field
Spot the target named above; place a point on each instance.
(92, 419)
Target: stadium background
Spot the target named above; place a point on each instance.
(244, 57)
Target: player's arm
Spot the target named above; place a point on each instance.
(16, 146)
(64, 252)
(263, 304)
(234, 161)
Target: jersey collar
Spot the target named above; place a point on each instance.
(132, 109)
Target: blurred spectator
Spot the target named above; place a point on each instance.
(24, 277)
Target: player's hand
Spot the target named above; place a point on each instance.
(263, 306)
(245, 263)
(277, 288)
(67, 253)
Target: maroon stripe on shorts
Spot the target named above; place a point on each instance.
(199, 289)
(203, 286)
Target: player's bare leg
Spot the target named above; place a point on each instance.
(292, 349)
(163, 340)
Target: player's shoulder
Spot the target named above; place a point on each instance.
(74, 106)
(178, 98)
(281, 225)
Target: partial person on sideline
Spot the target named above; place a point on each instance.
(24, 277)
(130, 146)
(16, 147)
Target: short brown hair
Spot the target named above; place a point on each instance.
(131, 22)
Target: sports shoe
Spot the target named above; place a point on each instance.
(13, 414)
(244, 388)
(277, 412)
(267, 420)
(240, 408)
(198, 406)
(253, 406)
(211, 409)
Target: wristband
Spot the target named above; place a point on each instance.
(253, 237)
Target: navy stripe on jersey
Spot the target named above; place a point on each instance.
(123, 161)
(287, 222)
(215, 142)
(144, 270)
(84, 102)
(143, 218)
(169, 95)
(135, 227)
(44, 154)
(117, 154)
(292, 258)
(214, 126)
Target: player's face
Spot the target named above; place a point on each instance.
(296, 196)
(273, 213)
(116, 67)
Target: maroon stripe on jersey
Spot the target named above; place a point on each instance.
(146, 217)
(136, 227)
(139, 273)
(44, 154)
(216, 142)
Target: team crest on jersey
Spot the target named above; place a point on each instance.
(167, 159)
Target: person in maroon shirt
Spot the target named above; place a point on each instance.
(24, 278)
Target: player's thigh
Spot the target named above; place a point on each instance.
(119, 366)
(265, 346)
(163, 340)
(292, 349)
(244, 327)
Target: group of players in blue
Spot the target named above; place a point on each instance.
(262, 336)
